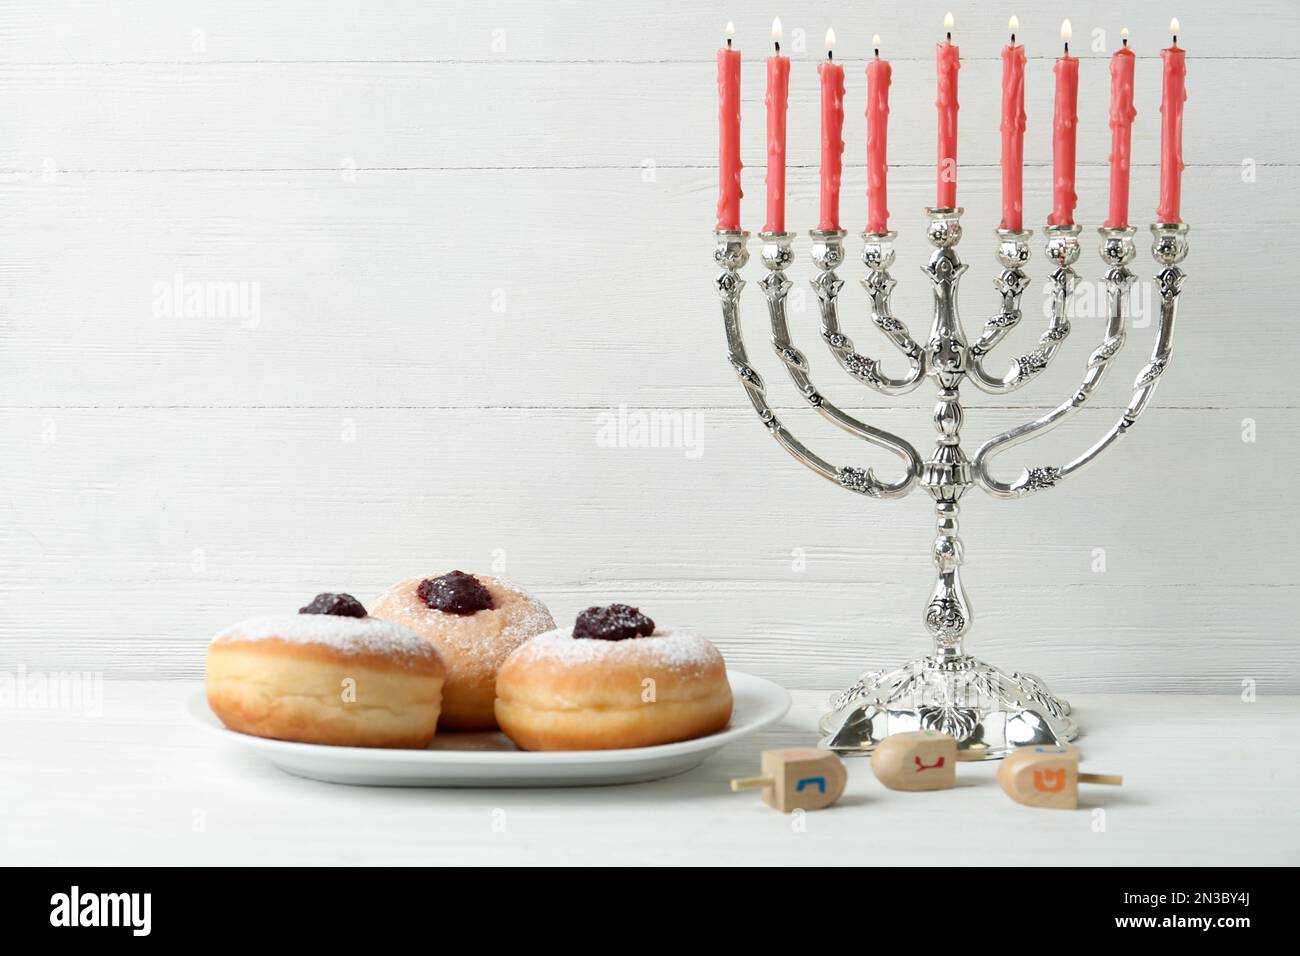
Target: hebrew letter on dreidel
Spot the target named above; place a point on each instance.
(798, 779)
(1049, 781)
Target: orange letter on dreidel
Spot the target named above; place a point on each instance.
(1049, 781)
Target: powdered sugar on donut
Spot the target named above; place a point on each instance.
(674, 648)
(348, 635)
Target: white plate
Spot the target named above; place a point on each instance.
(490, 760)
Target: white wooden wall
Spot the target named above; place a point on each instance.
(474, 229)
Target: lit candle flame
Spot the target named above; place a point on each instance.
(830, 40)
(1014, 23)
(948, 21)
(730, 31)
(875, 39)
(776, 30)
(1067, 31)
(1124, 33)
(1173, 26)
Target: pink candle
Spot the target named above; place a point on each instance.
(832, 136)
(729, 136)
(878, 75)
(1013, 133)
(778, 94)
(1121, 133)
(947, 58)
(1171, 130)
(1064, 130)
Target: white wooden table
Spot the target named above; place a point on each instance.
(1208, 780)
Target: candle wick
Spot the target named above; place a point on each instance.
(830, 54)
(778, 46)
(1013, 39)
(728, 43)
(877, 54)
(1175, 39)
(1126, 41)
(1067, 47)
(949, 37)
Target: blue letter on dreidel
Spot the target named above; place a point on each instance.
(808, 782)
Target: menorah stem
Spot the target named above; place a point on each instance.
(948, 615)
(947, 473)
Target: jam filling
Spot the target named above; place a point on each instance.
(338, 605)
(455, 593)
(614, 622)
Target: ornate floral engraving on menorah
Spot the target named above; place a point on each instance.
(987, 709)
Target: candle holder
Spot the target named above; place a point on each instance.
(990, 711)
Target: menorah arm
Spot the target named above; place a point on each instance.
(1013, 253)
(731, 254)
(878, 256)
(1169, 248)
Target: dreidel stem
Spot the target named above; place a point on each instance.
(1110, 779)
(751, 783)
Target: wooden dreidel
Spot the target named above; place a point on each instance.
(803, 778)
(919, 760)
(1047, 776)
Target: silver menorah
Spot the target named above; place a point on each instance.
(988, 710)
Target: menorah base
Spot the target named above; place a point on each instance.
(989, 711)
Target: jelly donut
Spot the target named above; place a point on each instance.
(614, 680)
(474, 622)
(327, 675)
